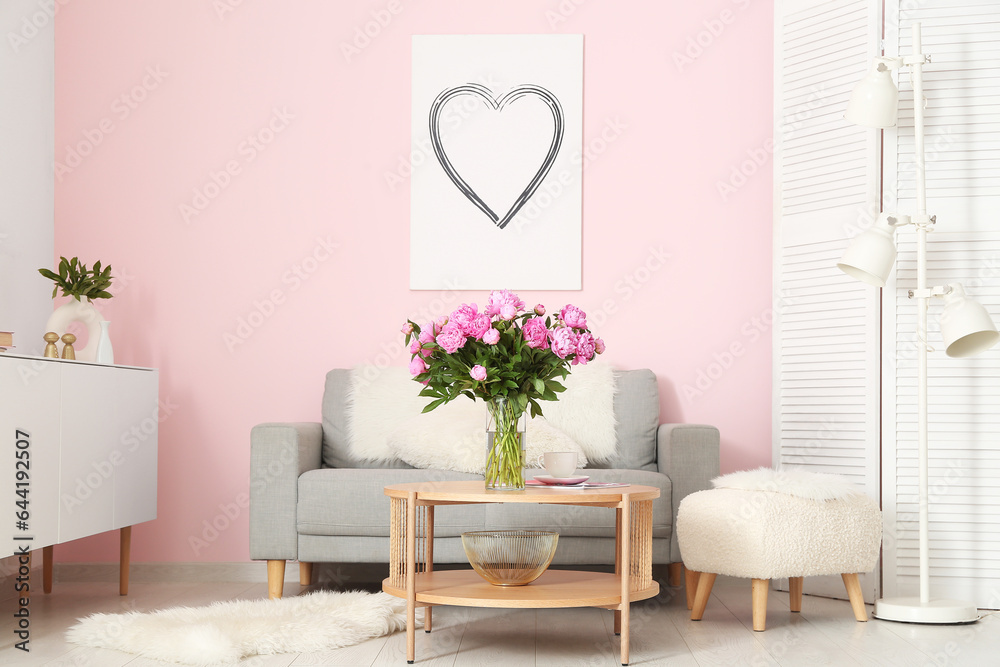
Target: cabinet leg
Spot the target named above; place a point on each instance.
(275, 578)
(47, 570)
(124, 559)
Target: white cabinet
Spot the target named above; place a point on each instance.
(90, 431)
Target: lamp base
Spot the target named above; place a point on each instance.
(911, 610)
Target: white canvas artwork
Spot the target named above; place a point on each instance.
(496, 202)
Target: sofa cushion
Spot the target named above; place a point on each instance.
(336, 453)
(353, 502)
(637, 411)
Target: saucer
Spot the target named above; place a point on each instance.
(561, 481)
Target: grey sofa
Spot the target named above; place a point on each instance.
(309, 501)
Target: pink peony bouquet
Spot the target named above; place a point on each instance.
(504, 351)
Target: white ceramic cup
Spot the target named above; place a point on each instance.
(558, 464)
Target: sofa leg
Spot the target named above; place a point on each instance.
(760, 587)
(690, 586)
(305, 573)
(856, 596)
(795, 593)
(674, 573)
(705, 582)
(275, 578)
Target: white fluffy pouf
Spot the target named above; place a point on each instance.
(769, 524)
(225, 632)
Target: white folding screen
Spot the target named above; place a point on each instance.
(962, 91)
(826, 338)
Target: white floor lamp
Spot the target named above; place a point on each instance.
(966, 327)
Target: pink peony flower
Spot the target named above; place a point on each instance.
(599, 345)
(573, 317)
(539, 310)
(439, 324)
(564, 342)
(491, 337)
(479, 326)
(451, 338)
(535, 334)
(585, 346)
(499, 299)
(478, 373)
(464, 317)
(508, 312)
(414, 346)
(407, 329)
(417, 366)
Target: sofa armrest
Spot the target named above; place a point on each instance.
(279, 453)
(689, 455)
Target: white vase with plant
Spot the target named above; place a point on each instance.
(85, 285)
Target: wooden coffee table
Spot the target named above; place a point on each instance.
(412, 575)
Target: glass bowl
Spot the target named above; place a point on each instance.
(510, 557)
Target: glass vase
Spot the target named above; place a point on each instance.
(505, 424)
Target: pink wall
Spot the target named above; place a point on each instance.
(156, 96)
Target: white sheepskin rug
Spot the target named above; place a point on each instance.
(225, 632)
(384, 422)
(799, 483)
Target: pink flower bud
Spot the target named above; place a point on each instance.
(478, 373)
(407, 329)
(539, 310)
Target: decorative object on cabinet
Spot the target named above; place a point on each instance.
(85, 285)
(68, 352)
(105, 353)
(966, 327)
(51, 351)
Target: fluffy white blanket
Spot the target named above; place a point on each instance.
(800, 483)
(384, 422)
(225, 632)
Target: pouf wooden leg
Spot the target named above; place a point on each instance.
(760, 587)
(705, 582)
(795, 593)
(856, 596)
(690, 586)
(305, 573)
(674, 572)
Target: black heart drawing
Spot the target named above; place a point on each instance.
(487, 96)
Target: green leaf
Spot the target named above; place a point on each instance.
(539, 385)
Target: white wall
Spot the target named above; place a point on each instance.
(27, 135)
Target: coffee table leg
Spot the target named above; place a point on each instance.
(624, 537)
(411, 575)
(618, 563)
(429, 565)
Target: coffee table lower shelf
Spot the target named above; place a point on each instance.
(555, 588)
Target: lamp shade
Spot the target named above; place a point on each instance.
(870, 256)
(966, 327)
(875, 99)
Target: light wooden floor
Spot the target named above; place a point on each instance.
(825, 633)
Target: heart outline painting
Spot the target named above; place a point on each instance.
(495, 161)
(496, 104)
